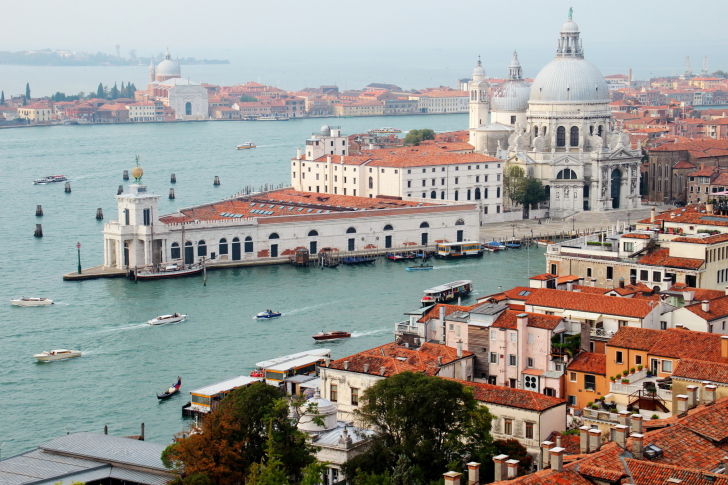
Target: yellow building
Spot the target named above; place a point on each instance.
(586, 379)
(374, 108)
(35, 113)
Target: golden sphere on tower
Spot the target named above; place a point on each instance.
(137, 172)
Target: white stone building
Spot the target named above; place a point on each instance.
(442, 102)
(273, 225)
(188, 99)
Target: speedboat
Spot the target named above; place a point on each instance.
(331, 335)
(172, 390)
(245, 146)
(420, 267)
(177, 317)
(32, 302)
(268, 314)
(57, 354)
(50, 179)
(386, 130)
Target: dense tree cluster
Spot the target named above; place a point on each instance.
(522, 190)
(415, 137)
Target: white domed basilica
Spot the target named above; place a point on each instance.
(561, 131)
(188, 99)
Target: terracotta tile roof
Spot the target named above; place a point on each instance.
(635, 338)
(683, 164)
(693, 145)
(686, 344)
(567, 279)
(718, 308)
(568, 441)
(705, 172)
(515, 398)
(589, 362)
(662, 257)
(434, 312)
(591, 289)
(589, 302)
(649, 473)
(631, 289)
(508, 318)
(700, 294)
(520, 293)
(543, 277)
(721, 180)
(395, 359)
(549, 477)
(681, 444)
(718, 238)
(702, 371)
(633, 235)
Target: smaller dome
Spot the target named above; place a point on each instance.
(326, 130)
(479, 70)
(511, 95)
(319, 407)
(569, 27)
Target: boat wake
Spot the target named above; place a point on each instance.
(129, 326)
(380, 331)
(306, 308)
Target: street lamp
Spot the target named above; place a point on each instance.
(573, 220)
(629, 226)
(78, 246)
(528, 250)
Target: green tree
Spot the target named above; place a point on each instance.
(100, 91)
(2, 97)
(720, 73)
(415, 137)
(235, 436)
(247, 98)
(430, 420)
(114, 93)
(530, 193)
(27, 91)
(513, 178)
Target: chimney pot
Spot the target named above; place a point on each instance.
(637, 445)
(682, 403)
(709, 396)
(557, 459)
(692, 396)
(705, 306)
(346, 365)
(726, 290)
(366, 367)
(595, 439)
(637, 423)
(624, 418)
(500, 467)
(439, 360)
(620, 435)
(512, 468)
(452, 478)
(382, 370)
(473, 473)
(621, 282)
(584, 440)
(545, 447)
(570, 286)
(460, 349)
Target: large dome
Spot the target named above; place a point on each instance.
(510, 95)
(569, 80)
(168, 68)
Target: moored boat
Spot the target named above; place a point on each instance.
(385, 130)
(494, 246)
(331, 335)
(31, 302)
(461, 249)
(164, 271)
(447, 292)
(513, 244)
(50, 179)
(421, 267)
(246, 145)
(268, 314)
(357, 259)
(58, 354)
(162, 319)
(172, 390)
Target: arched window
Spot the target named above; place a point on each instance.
(468, 196)
(460, 222)
(273, 236)
(388, 227)
(424, 225)
(371, 183)
(433, 194)
(591, 129)
(201, 248)
(188, 108)
(456, 195)
(223, 248)
(547, 191)
(248, 244)
(566, 174)
(574, 136)
(351, 230)
(312, 233)
(175, 254)
(560, 136)
(586, 191)
(477, 193)
(424, 195)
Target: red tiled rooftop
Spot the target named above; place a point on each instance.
(508, 319)
(589, 302)
(717, 308)
(635, 338)
(718, 238)
(589, 362)
(515, 398)
(702, 371)
(543, 277)
(686, 344)
(662, 257)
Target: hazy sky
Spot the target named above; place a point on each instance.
(646, 35)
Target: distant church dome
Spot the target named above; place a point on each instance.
(168, 68)
(513, 93)
(318, 407)
(569, 78)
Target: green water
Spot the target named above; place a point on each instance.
(125, 360)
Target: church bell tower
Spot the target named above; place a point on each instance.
(479, 105)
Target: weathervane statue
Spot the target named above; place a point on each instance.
(137, 172)
(571, 11)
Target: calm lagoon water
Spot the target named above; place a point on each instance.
(126, 360)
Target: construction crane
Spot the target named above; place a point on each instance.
(705, 65)
(688, 68)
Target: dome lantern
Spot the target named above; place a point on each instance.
(570, 45)
(479, 72)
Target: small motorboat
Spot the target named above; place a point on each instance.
(331, 335)
(513, 244)
(494, 246)
(358, 260)
(268, 314)
(31, 302)
(257, 373)
(58, 354)
(174, 318)
(172, 390)
(246, 145)
(50, 179)
(421, 267)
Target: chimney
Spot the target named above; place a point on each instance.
(452, 478)
(442, 322)
(595, 439)
(439, 360)
(460, 348)
(522, 322)
(500, 467)
(581, 281)
(633, 279)
(637, 445)
(382, 370)
(629, 79)
(512, 468)
(594, 282)
(473, 473)
(692, 396)
(682, 403)
(327, 361)
(298, 154)
(705, 306)
(709, 395)
(328, 159)
(584, 440)
(558, 441)
(346, 365)
(621, 282)
(570, 286)
(623, 418)
(366, 368)
(585, 337)
(620, 435)
(652, 215)
(724, 346)
(726, 290)
(557, 459)
(637, 423)
(545, 447)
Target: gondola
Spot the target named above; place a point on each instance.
(172, 390)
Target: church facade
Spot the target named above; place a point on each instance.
(560, 131)
(188, 99)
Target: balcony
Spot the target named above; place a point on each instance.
(602, 333)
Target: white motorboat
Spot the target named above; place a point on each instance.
(57, 354)
(246, 145)
(50, 179)
(162, 319)
(32, 302)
